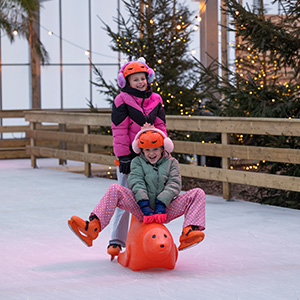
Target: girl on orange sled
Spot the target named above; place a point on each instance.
(153, 194)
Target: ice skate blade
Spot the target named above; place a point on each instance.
(183, 247)
(78, 234)
(113, 250)
(193, 239)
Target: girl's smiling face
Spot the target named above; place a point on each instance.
(138, 81)
(153, 155)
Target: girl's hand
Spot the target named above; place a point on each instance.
(160, 207)
(145, 208)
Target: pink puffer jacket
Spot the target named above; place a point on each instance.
(130, 113)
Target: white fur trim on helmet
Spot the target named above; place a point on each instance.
(168, 144)
(121, 79)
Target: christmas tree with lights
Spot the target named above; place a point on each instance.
(159, 31)
(262, 82)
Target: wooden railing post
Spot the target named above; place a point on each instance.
(32, 144)
(225, 165)
(62, 128)
(1, 136)
(87, 149)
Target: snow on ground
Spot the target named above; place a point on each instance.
(250, 251)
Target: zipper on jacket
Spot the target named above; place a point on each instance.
(142, 105)
(144, 113)
(157, 180)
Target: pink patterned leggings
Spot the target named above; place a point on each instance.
(191, 204)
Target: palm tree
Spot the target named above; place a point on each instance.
(23, 16)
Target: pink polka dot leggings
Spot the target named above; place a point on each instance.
(191, 204)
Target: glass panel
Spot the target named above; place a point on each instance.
(15, 87)
(50, 87)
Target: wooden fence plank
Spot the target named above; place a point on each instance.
(13, 153)
(13, 143)
(11, 114)
(242, 177)
(72, 155)
(268, 126)
(24, 128)
(239, 151)
(70, 137)
(91, 119)
(4, 129)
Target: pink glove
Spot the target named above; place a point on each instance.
(160, 218)
(149, 219)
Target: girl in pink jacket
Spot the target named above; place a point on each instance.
(132, 108)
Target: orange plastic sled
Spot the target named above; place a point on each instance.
(148, 246)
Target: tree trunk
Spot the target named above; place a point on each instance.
(35, 62)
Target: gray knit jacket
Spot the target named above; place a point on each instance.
(161, 181)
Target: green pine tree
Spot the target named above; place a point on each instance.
(160, 31)
(263, 82)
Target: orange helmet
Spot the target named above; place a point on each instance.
(151, 139)
(135, 67)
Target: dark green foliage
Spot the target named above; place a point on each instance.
(264, 82)
(280, 197)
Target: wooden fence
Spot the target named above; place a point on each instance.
(15, 147)
(91, 122)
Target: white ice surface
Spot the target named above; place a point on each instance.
(250, 251)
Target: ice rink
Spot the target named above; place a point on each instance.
(251, 251)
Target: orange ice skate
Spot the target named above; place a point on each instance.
(113, 250)
(87, 231)
(191, 235)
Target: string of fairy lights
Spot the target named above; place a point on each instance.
(265, 68)
(180, 26)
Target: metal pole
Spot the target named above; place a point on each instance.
(90, 51)
(60, 53)
(202, 31)
(62, 126)
(224, 41)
